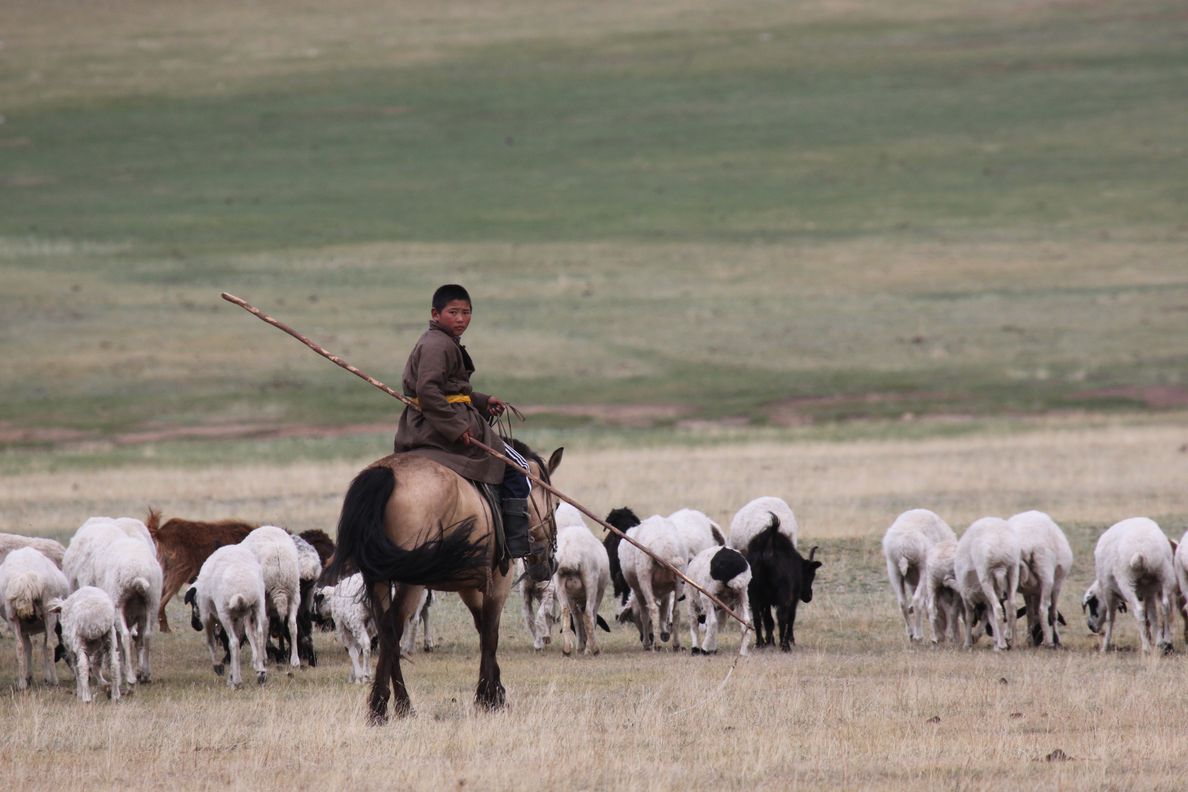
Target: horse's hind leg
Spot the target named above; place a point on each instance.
(384, 614)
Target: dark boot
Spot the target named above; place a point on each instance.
(515, 527)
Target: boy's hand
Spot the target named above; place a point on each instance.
(466, 437)
(495, 406)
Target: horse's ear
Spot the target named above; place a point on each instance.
(555, 459)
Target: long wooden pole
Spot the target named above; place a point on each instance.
(253, 310)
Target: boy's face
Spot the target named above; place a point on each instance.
(455, 317)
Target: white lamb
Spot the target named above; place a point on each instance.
(697, 530)
(90, 639)
(986, 567)
(230, 591)
(419, 618)
(1046, 561)
(945, 610)
(583, 573)
(129, 572)
(905, 548)
(274, 549)
(47, 547)
(656, 588)
(725, 573)
(755, 517)
(28, 581)
(538, 606)
(347, 605)
(1135, 568)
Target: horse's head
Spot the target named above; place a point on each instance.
(541, 564)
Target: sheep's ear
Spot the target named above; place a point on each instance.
(191, 595)
(54, 605)
(555, 459)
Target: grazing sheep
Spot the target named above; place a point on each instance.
(128, 571)
(583, 573)
(28, 581)
(538, 606)
(697, 530)
(725, 573)
(986, 567)
(624, 519)
(780, 578)
(229, 592)
(346, 604)
(755, 517)
(47, 547)
(1046, 561)
(905, 547)
(89, 639)
(274, 549)
(1135, 569)
(81, 561)
(656, 588)
(942, 595)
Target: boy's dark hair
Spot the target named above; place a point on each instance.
(447, 294)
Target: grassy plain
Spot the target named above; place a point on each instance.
(851, 707)
(867, 256)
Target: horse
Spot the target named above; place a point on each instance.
(411, 521)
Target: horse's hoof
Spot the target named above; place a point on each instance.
(218, 669)
(377, 719)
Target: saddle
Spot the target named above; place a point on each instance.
(490, 494)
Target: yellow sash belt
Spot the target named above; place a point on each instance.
(452, 398)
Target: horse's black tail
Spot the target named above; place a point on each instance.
(364, 546)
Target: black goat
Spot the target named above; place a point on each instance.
(621, 518)
(780, 578)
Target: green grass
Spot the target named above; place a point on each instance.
(932, 209)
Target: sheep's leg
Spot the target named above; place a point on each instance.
(1011, 614)
(354, 647)
(567, 619)
(590, 615)
(692, 604)
(649, 611)
(129, 660)
(969, 623)
(545, 614)
(174, 580)
(1165, 619)
(428, 647)
(1138, 607)
(916, 607)
(82, 676)
(256, 627)
(997, 617)
(294, 658)
(709, 643)
(232, 626)
(745, 604)
(113, 658)
(24, 655)
(1042, 609)
(47, 654)
(674, 616)
(212, 643)
(527, 612)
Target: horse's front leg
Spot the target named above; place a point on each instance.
(490, 694)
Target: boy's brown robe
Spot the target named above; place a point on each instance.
(438, 366)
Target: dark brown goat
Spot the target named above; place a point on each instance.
(183, 546)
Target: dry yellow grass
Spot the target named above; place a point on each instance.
(851, 707)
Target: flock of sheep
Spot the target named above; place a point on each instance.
(101, 595)
(971, 583)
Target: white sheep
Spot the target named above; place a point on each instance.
(755, 517)
(986, 568)
(80, 561)
(538, 606)
(583, 573)
(656, 588)
(905, 548)
(129, 572)
(230, 591)
(1135, 568)
(90, 639)
(28, 581)
(47, 547)
(274, 549)
(697, 530)
(725, 573)
(942, 595)
(1046, 561)
(347, 604)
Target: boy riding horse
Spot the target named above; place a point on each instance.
(437, 378)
